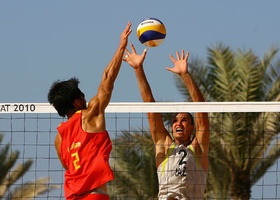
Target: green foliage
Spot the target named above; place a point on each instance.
(10, 174)
(242, 144)
(133, 161)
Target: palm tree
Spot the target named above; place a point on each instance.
(10, 175)
(243, 145)
(133, 163)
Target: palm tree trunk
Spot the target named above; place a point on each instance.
(240, 185)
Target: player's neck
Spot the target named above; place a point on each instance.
(185, 143)
(70, 114)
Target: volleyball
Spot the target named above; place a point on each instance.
(151, 32)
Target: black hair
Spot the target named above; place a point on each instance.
(175, 114)
(62, 95)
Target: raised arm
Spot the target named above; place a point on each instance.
(100, 101)
(160, 135)
(202, 139)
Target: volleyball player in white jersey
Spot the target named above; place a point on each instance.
(181, 158)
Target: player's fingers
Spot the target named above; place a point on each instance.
(127, 51)
(144, 52)
(133, 48)
(128, 26)
(178, 56)
(172, 58)
(187, 55)
(182, 54)
(170, 69)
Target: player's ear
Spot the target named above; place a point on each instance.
(76, 104)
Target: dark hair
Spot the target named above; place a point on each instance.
(192, 122)
(175, 114)
(62, 95)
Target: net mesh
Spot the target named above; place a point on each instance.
(28, 131)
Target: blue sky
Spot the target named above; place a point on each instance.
(42, 41)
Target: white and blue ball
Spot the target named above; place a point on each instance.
(151, 32)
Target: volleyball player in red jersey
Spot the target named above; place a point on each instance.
(83, 144)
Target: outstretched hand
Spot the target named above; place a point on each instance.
(133, 59)
(181, 64)
(124, 36)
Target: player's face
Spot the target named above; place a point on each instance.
(182, 127)
(82, 104)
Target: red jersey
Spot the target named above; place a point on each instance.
(86, 156)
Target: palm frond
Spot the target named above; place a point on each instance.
(10, 175)
(241, 143)
(221, 70)
(33, 189)
(134, 166)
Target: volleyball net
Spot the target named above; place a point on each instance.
(29, 130)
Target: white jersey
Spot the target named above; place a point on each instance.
(180, 175)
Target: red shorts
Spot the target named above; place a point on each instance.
(92, 197)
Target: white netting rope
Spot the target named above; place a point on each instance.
(161, 107)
